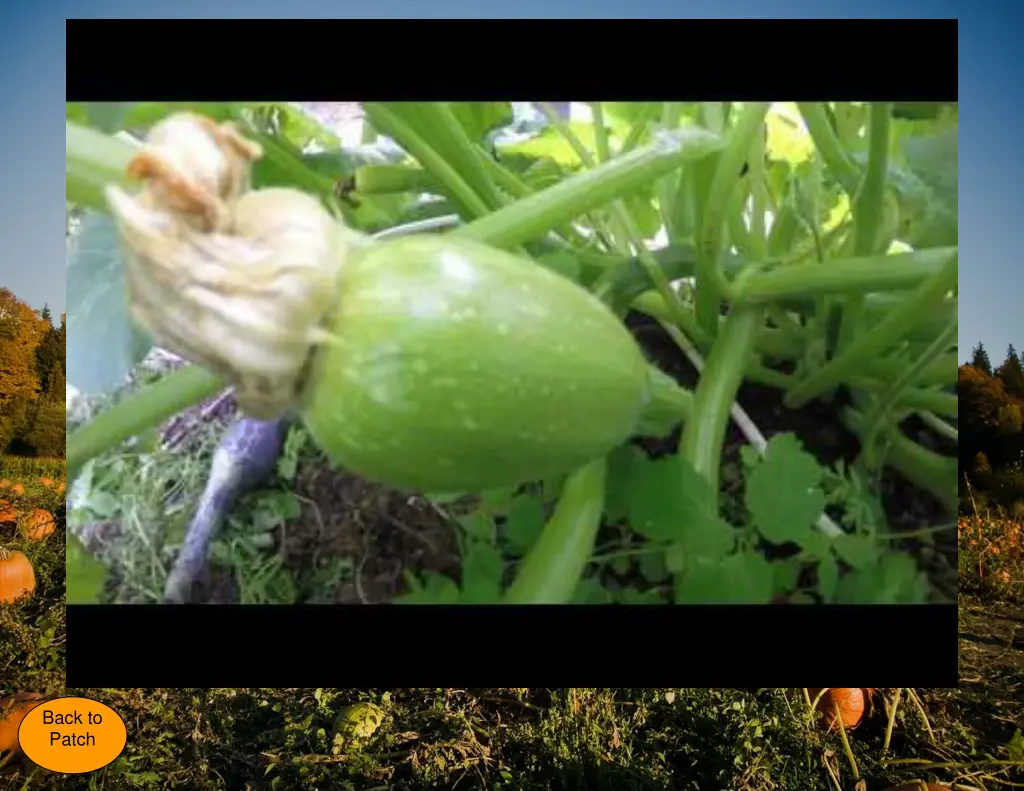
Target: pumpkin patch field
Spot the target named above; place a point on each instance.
(32, 611)
(559, 739)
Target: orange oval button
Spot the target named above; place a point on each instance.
(72, 735)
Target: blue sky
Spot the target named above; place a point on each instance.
(32, 57)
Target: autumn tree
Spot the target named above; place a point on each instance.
(32, 371)
(989, 417)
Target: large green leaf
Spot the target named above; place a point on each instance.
(479, 119)
(84, 575)
(550, 143)
(103, 343)
(927, 189)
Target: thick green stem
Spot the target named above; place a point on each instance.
(701, 443)
(385, 179)
(829, 146)
(398, 128)
(929, 470)
(880, 338)
(93, 161)
(867, 212)
(669, 405)
(893, 395)
(442, 131)
(711, 283)
(551, 208)
(141, 411)
(551, 572)
(852, 275)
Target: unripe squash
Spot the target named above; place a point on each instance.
(454, 366)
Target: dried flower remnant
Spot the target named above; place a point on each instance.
(235, 280)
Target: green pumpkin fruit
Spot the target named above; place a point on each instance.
(454, 366)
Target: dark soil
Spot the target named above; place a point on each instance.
(991, 691)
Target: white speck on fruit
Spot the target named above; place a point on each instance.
(445, 381)
(456, 267)
(474, 366)
(502, 329)
(460, 405)
(469, 423)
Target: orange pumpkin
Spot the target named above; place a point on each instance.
(7, 514)
(60, 486)
(17, 577)
(853, 703)
(38, 524)
(47, 482)
(18, 488)
(13, 709)
(5, 484)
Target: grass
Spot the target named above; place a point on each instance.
(32, 630)
(533, 738)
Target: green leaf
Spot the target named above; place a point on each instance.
(481, 574)
(84, 574)
(624, 114)
(478, 525)
(788, 140)
(103, 342)
(783, 492)
(895, 579)
(1015, 747)
(828, 577)
(645, 214)
(551, 144)
(743, 578)
(786, 574)
(652, 566)
(634, 596)
(591, 591)
(857, 550)
(434, 589)
(621, 462)
(665, 495)
(539, 173)
(479, 119)
(934, 160)
(525, 523)
(498, 501)
(76, 112)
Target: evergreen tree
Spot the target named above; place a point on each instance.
(979, 359)
(44, 314)
(1011, 372)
